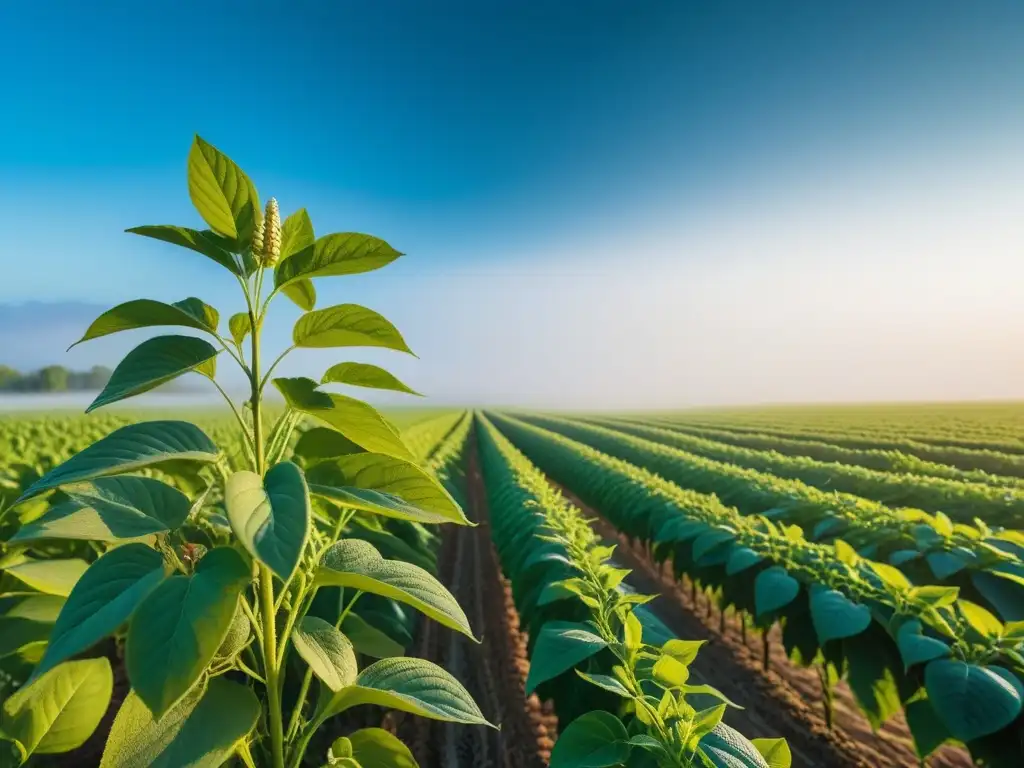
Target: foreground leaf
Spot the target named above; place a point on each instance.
(302, 293)
(347, 325)
(835, 616)
(208, 243)
(103, 599)
(377, 748)
(774, 588)
(327, 652)
(320, 443)
(51, 577)
(152, 363)
(147, 313)
(240, 326)
(365, 375)
(201, 731)
(593, 740)
(356, 564)
(411, 685)
(270, 515)
(110, 509)
(61, 709)
(560, 646)
(972, 701)
(356, 420)
(221, 192)
(128, 449)
(345, 253)
(386, 486)
(179, 626)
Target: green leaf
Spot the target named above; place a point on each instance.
(984, 624)
(320, 443)
(26, 620)
(201, 731)
(411, 685)
(109, 509)
(152, 363)
(594, 740)
(128, 449)
(356, 564)
(707, 690)
(356, 420)
(683, 651)
(344, 253)
(740, 559)
(935, 597)
(368, 640)
(347, 325)
(271, 515)
(835, 616)
(774, 751)
(61, 709)
(915, 647)
(208, 243)
(103, 599)
(972, 701)
(240, 326)
(607, 682)
(376, 748)
(296, 234)
(633, 632)
(560, 646)
(51, 577)
(669, 672)
(147, 313)
(177, 629)
(727, 748)
(386, 486)
(328, 652)
(927, 729)
(774, 588)
(222, 193)
(892, 577)
(302, 293)
(365, 375)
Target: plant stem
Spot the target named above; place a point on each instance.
(270, 666)
(273, 365)
(270, 662)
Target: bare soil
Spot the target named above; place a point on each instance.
(494, 670)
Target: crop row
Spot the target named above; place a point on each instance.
(950, 665)
(883, 460)
(597, 650)
(928, 548)
(961, 501)
(1000, 457)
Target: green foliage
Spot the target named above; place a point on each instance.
(898, 644)
(203, 553)
(618, 678)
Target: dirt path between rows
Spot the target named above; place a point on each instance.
(783, 701)
(495, 670)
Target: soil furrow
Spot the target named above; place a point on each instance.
(493, 671)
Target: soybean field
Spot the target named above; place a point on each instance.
(791, 586)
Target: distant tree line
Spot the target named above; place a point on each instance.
(53, 378)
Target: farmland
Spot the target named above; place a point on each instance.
(850, 580)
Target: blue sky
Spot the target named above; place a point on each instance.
(675, 193)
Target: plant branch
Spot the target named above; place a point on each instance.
(273, 365)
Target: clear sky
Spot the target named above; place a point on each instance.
(603, 203)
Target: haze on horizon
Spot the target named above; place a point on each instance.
(657, 206)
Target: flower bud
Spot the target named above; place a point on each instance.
(257, 240)
(271, 234)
